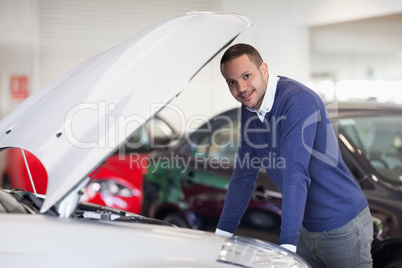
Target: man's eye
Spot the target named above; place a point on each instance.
(231, 83)
(246, 76)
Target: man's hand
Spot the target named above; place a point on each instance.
(289, 247)
(223, 233)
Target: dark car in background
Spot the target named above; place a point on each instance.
(117, 183)
(186, 185)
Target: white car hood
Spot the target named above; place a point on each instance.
(77, 121)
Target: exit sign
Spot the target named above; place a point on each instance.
(19, 87)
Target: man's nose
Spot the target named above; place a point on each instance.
(241, 86)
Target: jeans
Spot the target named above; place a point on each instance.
(347, 246)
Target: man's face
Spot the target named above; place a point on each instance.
(246, 82)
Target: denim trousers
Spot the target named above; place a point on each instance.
(347, 246)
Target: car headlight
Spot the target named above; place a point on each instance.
(248, 252)
(110, 187)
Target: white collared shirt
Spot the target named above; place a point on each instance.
(269, 97)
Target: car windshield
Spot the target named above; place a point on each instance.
(380, 140)
(221, 143)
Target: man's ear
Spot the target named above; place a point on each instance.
(264, 69)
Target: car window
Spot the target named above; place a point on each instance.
(138, 139)
(158, 128)
(380, 140)
(222, 142)
(143, 137)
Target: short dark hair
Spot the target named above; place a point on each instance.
(240, 49)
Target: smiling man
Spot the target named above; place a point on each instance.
(325, 215)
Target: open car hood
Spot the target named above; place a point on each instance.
(77, 121)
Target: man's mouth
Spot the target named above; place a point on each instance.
(246, 96)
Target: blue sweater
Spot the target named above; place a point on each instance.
(298, 148)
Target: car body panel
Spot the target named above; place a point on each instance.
(73, 132)
(105, 237)
(16, 172)
(119, 244)
(95, 241)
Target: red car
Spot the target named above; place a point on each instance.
(118, 182)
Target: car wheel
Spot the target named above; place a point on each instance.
(261, 220)
(176, 219)
(396, 263)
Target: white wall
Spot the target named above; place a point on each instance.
(363, 49)
(281, 31)
(281, 28)
(18, 46)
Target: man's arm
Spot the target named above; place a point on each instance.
(240, 187)
(298, 133)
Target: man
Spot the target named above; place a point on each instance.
(325, 215)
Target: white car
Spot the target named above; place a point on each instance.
(77, 121)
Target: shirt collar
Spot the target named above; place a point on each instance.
(268, 100)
